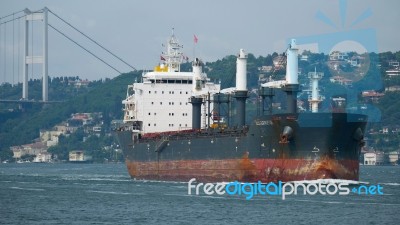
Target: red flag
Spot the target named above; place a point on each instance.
(195, 39)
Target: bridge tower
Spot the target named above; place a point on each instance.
(40, 15)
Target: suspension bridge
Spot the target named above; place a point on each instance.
(19, 52)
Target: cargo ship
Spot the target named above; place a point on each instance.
(173, 128)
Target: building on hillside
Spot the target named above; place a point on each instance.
(79, 156)
(304, 58)
(79, 83)
(341, 80)
(356, 61)
(338, 56)
(374, 158)
(393, 88)
(43, 157)
(393, 72)
(61, 127)
(372, 95)
(394, 63)
(266, 69)
(393, 157)
(28, 149)
(50, 138)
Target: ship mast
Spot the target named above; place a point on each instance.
(315, 98)
(173, 56)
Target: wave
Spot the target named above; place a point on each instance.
(391, 184)
(106, 179)
(198, 196)
(91, 178)
(114, 192)
(27, 189)
(159, 181)
(347, 203)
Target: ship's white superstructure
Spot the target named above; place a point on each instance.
(160, 102)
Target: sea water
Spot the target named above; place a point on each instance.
(104, 194)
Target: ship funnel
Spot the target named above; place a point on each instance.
(241, 71)
(196, 112)
(241, 87)
(292, 63)
(197, 70)
(292, 85)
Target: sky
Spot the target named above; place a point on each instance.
(135, 30)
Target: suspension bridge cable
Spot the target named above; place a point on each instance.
(30, 12)
(19, 51)
(83, 47)
(92, 40)
(8, 21)
(5, 56)
(4, 41)
(12, 14)
(31, 50)
(0, 44)
(13, 80)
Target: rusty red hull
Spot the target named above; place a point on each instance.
(282, 147)
(249, 170)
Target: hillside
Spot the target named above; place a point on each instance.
(105, 96)
(22, 127)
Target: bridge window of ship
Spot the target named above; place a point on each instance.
(148, 124)
(162, 92)
(160, 103)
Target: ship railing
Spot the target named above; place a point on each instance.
(189, 134)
